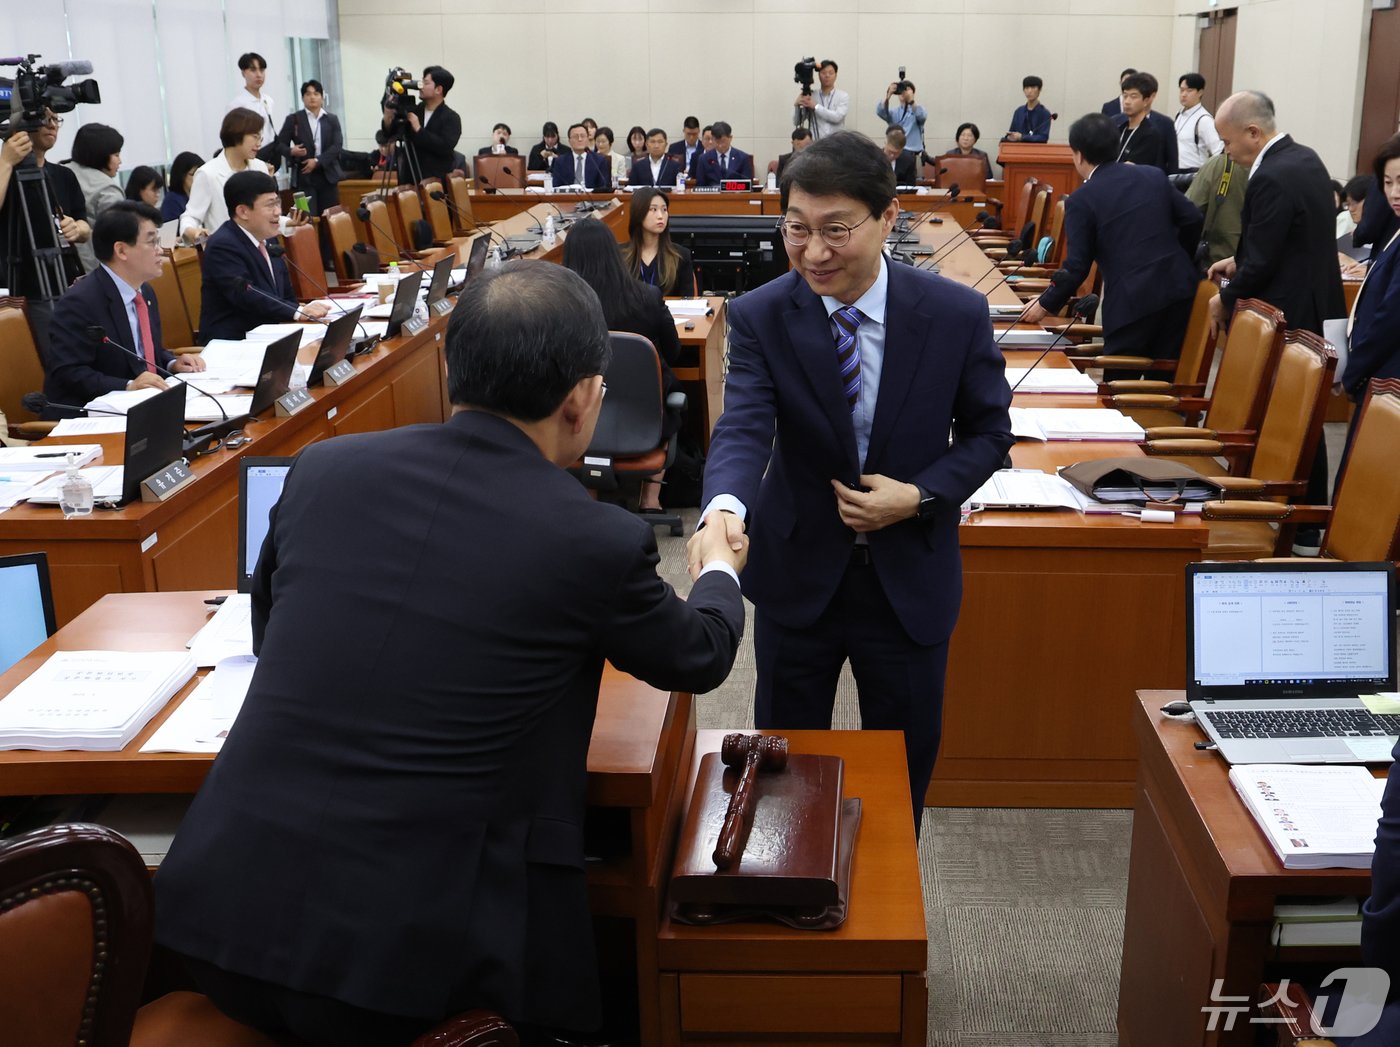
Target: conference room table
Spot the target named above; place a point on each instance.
(1202, 884)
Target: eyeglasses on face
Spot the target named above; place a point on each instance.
(833, 234)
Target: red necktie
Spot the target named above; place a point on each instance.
(262, 250)
(143, 320)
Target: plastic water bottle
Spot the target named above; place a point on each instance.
(493, 260)
(772, 182)
(549, 231)
(548, 182)
(394, 272)
(680, 182)
(75, 496)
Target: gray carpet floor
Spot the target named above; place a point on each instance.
(1023, 908)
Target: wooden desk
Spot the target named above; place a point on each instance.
(861, 984)
(1047, 162)
(188, 541)
(1202, 883)
(642, 740)
(704, 380)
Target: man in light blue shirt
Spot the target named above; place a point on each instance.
(907, 114)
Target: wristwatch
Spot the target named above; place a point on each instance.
(928, 504)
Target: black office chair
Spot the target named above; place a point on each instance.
(627, 445)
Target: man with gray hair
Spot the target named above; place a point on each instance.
(1287, 254)
(393, 832)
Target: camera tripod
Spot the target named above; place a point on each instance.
(22, 237)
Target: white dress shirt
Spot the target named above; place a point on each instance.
(263, 105)
(206, 207)
(314, 119)
(1196, 137)
(128, 294)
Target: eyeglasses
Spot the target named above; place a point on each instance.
(834, 234)
(53, 121)
(150, 241)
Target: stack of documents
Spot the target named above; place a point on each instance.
(46, 458)
(202, 721)
(1004, 310)
(228, 634)
(1314, 816)
(96, 700)
(687, 308)
(1317, 921)
(1050, 380)
(271, 332)
(1074, 423)
(106, 483)
(1027, 489)
(89, 426)
(1015, 338)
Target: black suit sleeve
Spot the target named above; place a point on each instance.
(283, 142)
(437, 140)
(1380, 915)
(1271, 217)
(673, 644)
(332, 142)
(668, 343)
(1080, 234)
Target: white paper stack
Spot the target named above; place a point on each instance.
(202, 721)
(93, 700)
(106, 483)
(89, 426)
(228, 634)
(1314, 816)
(271, 332)
(120, 401)
(1074, 423)
(689, 308)
(45, 458)
(1014, 338)
(1027, 489)
(1050, 380)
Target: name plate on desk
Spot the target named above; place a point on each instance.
(414, 325)
(161, 485)
(290, 403)
(442, 306)
(340, 373)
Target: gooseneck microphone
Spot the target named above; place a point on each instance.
(37, 403)
(365, 217)
(507, 252)
(1082, 310)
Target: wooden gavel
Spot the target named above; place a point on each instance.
(754, 753)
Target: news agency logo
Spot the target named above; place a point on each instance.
(1348, 1003)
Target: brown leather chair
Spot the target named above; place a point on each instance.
(1363, 523)
(460, 192)
(379, 228)
(1279, 459)
(499, 172)
(306, 269)
(1236, 404)
(969, 173)
(75, 933)
(175, 325)
(340, 230)
(439, 215)
(407, 206)
(21, 371)
(1007, 235)
(189, 274)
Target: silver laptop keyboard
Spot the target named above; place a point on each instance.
(1302, 723)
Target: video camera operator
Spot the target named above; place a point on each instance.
(908, 115)
(823, 113)
(43, 214)
(428, 131)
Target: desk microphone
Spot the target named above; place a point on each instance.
(364, 214)
(364, 345)
(278, 251)
(1081, 311)
(564, 220)
(912, 229)
(462, 219)
(194, 438)
(37, 403)
(966, 234)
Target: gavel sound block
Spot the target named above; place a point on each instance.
(751, 753)
(786, 857)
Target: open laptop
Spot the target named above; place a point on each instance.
(26, 606)
(335, 344)
(405, 300)
(1277, 655)
(259, 486)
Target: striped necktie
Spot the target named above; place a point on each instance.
(847, 320)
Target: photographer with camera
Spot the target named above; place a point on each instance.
(825, 112)
(908, 115)
(429, 131)
(68, 220)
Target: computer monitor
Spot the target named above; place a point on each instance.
(155, 432)
(275, 376)
(405, 299)
(259, 486)
(335, 344)
(26, 606)
(442, 276)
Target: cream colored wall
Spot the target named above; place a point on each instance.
(1309, 56)
(652, 62)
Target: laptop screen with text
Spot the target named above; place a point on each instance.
(259, 487)
(1306, 630)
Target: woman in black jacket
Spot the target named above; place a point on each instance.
(628, 305)
(649, 254)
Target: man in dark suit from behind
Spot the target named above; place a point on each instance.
(659, 167)
(580, 165)
(411, 788)
(846, 377)
(114, 301)
(1141, 231)
(801, 139)
(431, 129)
(311, 141)
(1114, 105)
(243, 285)
(723, 162)
(1287, 254)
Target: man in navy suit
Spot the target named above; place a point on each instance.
(723, 162)
(113, 302)
(1141, 231)
(1145, 137)
(311, 141)
(846, 378)
(441, 764)
(1114, 105)
(658, 167)
(581, 165)
(244, 286)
